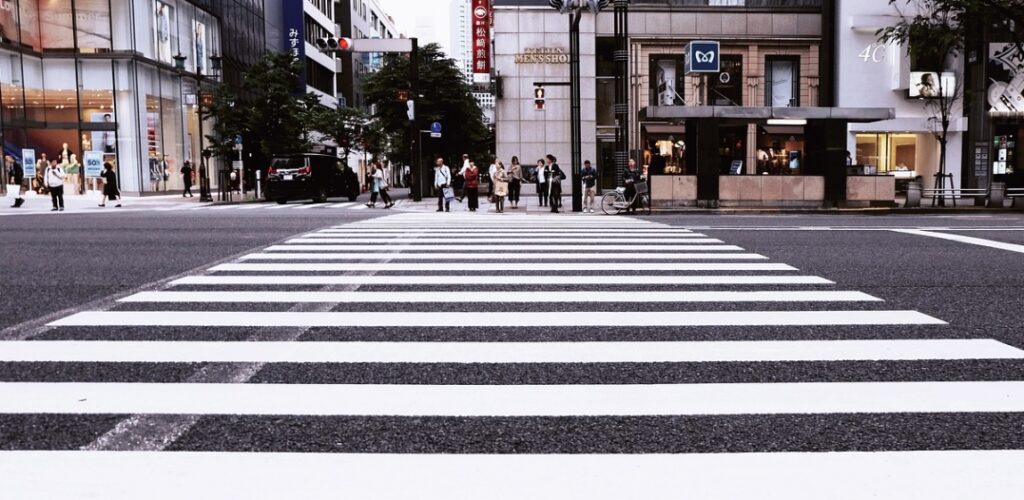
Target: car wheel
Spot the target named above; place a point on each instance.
(321, 195)
(282, 201)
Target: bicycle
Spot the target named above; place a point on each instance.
(615, 202)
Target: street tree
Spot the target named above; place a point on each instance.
(270, 110)
(345, 126)
(444, 97)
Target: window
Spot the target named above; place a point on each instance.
(726, 88)
(782, 81)
(887, 152)
(667, 80)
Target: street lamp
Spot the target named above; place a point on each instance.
(575, 10)
(179, 62)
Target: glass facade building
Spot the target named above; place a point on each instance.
(118, 78)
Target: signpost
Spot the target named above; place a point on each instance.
(93, 163)
(240, 166)
(703, 57)
(435, 130)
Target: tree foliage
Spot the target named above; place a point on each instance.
(272, 114)
(444, 97)
(345, 126)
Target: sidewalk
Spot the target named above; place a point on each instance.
(35, 203)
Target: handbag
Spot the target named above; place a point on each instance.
(449, 194)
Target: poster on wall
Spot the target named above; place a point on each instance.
(666, 81)
(89, 20)
(104, 140)
(162, 15)
(199, 46)
(1006, 74)
(930, 85)
(28, 162)
(93, 163)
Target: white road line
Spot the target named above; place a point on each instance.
(494, 319)
(510, 400)
(281, 207)
(577, 296)
(1010, 247)
(342, 205)
(308, 206)
(526, 232)
(499, 257)
(253, 206)
(224, 207)
(340, 244)
(632, 280)
(932, 475)
(502, 352)
(359, 207)
(464, 266)
(550, 239)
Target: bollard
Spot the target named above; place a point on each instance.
(996, 194)
(913, 195)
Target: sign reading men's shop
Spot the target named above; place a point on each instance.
(543, 56)
(481, 36)
(704, 57)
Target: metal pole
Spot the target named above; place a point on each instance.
(415, 162)
(621, 57)
(576, 127)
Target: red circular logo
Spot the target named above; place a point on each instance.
(480, 12)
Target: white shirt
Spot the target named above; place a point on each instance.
(540, 175)
(442, 176)
(54, 177)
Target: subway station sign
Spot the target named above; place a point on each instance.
(703, 57)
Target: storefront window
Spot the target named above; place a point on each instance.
(878, 153)
(665, 153)
(11, 88)
(28, 21)
(726, 88)
(667, 80)
(783, 81)
(780, 150)
(92, 21)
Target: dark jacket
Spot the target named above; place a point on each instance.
(555, 174)
(589, 175)
(17, 173)
(110, 182)
(630, 177)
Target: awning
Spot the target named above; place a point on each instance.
(656, 128)
(863, 115)
(783, 130)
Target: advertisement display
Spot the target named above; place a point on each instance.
(105, 140)
(295, 35)
(926, 84)
(1006, 74)
(481, 36)
(89, 19)
(199, 46)
(667, 83)
(28, 162)
(93, 163)
(163, 15)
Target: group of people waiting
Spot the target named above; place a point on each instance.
(504, 182)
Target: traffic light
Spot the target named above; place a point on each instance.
(331, 44)
(411, 111)
(538, 98)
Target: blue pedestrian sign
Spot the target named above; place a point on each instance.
(435, 127)
(704, 57)
(238, 140)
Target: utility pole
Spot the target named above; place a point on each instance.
(621, 57)
(416, 177)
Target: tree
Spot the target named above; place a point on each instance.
(270, 111)
(444, 97)
(934, 33)
(345, 126)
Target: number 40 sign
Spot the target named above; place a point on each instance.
(873, 53)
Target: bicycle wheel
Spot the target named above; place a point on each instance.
(611, 203)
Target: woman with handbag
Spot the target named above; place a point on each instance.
(540, 175)
(472, 175)
(555, 178)
(500, 187)
(110, 190)
(515, 182)
(382, 185)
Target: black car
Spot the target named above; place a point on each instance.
(315, 176)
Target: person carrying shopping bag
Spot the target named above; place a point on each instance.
(54, 177)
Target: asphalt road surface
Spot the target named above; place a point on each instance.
(362, 354)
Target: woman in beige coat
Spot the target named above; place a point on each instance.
(500, 187)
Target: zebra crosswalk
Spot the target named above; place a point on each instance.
(485, 356)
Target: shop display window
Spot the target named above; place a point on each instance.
(780, 150)
(885, 153)
(666, 155)
(668, 82)
(782, 77)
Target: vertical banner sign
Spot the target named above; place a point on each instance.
(295, 36)
(28, 163)
(482, 36)
(93, 163)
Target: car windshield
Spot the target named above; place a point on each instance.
(288, 163)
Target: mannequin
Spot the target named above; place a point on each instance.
(73, 170)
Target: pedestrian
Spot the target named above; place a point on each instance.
(186, 178)
(18, 176)
(39, 183)
(54, 180)
(380, 186)
(459, 182)
(589, 175)
(555, 178)
(442, 181)
(490, 181)
(629, 178)
(473, 186)
(110, 190)
(500, 187)
(374, 187)
(515, 182)
(542, 182)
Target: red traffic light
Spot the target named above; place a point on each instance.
(345, 44)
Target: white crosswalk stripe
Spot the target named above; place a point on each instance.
(524, 345)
